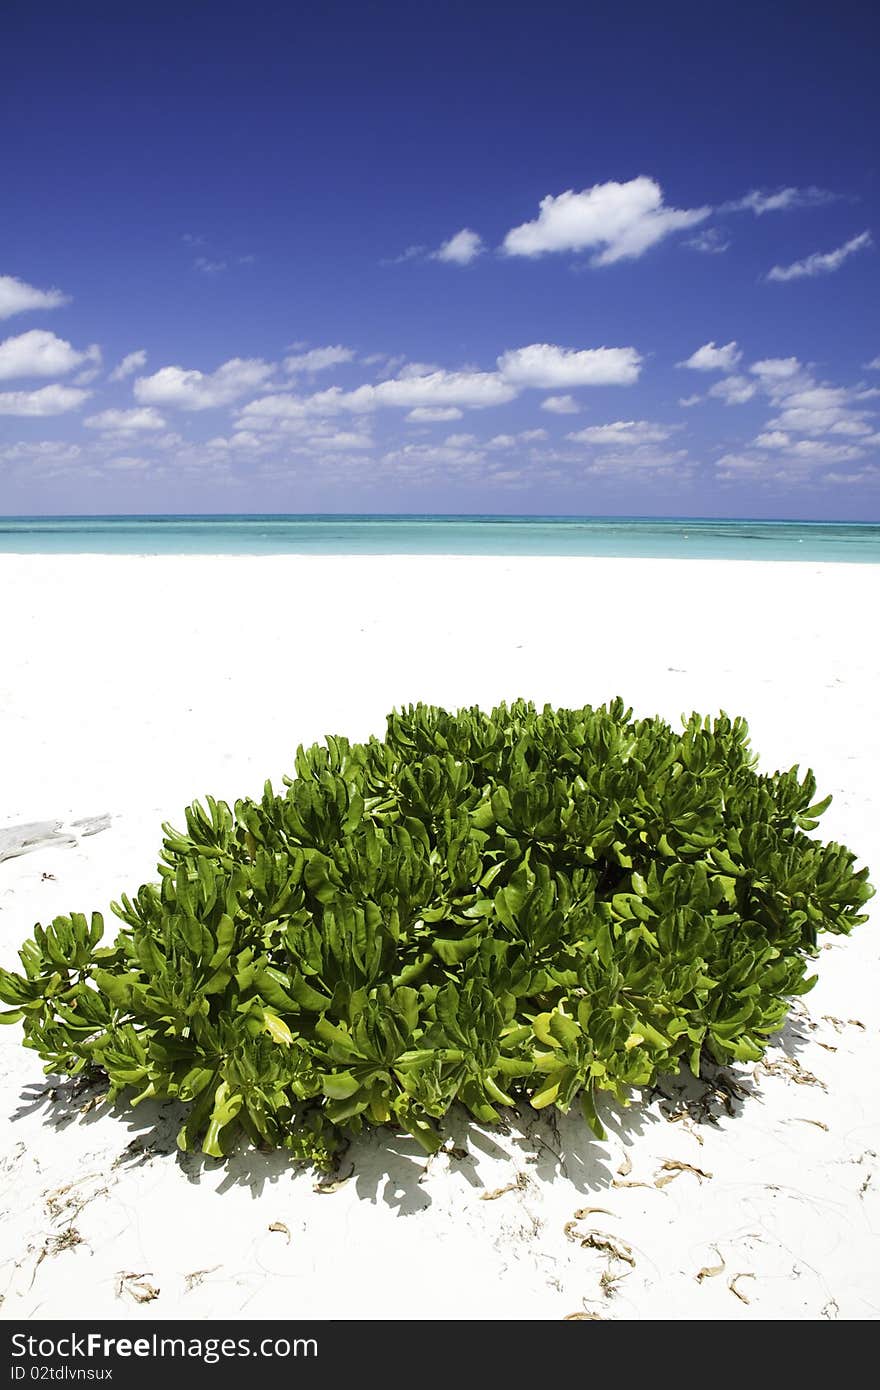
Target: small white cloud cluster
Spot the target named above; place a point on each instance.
(40, 353)
(460, 249)
(820, 263)
(17, 297)
(195, 390)
(616, 221)
(130, 364)
(814, 425)
(318, 359)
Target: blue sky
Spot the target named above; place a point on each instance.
(449, 257)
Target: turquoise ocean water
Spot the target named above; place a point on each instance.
(443, 535)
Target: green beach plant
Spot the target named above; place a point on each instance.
(535, 905)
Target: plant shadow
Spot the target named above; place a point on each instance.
(388, 1166)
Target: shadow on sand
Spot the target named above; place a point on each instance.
(388, 1166)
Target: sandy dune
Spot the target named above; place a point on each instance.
(129, 686)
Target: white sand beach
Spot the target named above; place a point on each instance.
(131, 685)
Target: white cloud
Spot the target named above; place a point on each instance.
(318, 359)
(710, 358)
(510, 441)
(867, 475)
(421, 388)
(127, 463)
(821, 263)
(782, 200)
(341, 439)
(130, 421)
(772, 439)
(412, 253)
(688, 401)
(807, 407)
(194, 390)
(208, 267)
(731, 467)
(561, 405)
(643, 458)
(808, 450)
(426, 414)
(243, 441)
(873, 365)
(626, 433)
(618, 221)
(39, 353)
(48, 451)
(130, 363)
(733, 390)
(544, 366)
(48, 400)
(420, 460)
(710, 240)
(467, 388)
(17, 297)
(460, 249)
(776, 369)
(814, 409)
(437, 389)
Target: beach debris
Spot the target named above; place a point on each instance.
(47, 878)
(732, 1285)
(518, 1185)
(625, 1167)
(608, 1244)
(193, 1280)
(137, 1286)
(626, 1182)
(830, 1310)
(93, 1102)
(454, 1151)
(582, 1213)
(281, 1228)
(710, 1271)
(609, 1280)
(583, 1317)
(67, 1202)
(791, 1070)
(682, 1117)
(325, 1186)
(838, 1024)
(67, 1239)
(672, 1168)
(805, 1120)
